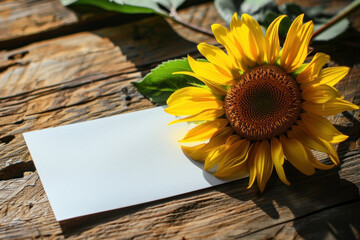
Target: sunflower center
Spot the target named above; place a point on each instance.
(263, 104)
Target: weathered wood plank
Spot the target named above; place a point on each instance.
(329, 223)
(229, 211)
(23, 21)
(21, 18)
(84, 76)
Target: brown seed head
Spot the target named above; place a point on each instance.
(263, 104)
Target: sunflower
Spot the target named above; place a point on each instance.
(260, 104)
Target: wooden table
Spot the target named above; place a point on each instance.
(60, 66)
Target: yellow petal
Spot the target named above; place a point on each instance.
(258, 45)
(200, 152)
(214, 157)
(330, 150)
(192, 100)
(305, 36)
(218, 153)
(251, 163)
(315, 162)
(264, 165)
(206, 115)
(214, 87)
(328, 108)
(234, 154)
(272, 37)
(238, 50)
(292, 40)
(205, 131)
(217, 57)
(208, 71)
(225, 38)
(249, 63)
(234, 162)
(235, 22)
(232, 172)
(322, 127)
(313, 68)
(333, 75)
(250, 39)
(244, 40)
(195, 152)
(193, 106)
(296, 155)
(333, 156)
(235, 168)
(296, 44)
(277, 156)
(320, 93)
(187, 93)
(314, 142)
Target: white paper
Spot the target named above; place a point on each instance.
(114, 162)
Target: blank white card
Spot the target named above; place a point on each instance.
(114, 162)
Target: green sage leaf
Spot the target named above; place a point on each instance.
(67, 2)
(131, 6)
(255, 8)
(333, 31)
(160, 83)
(227, 8)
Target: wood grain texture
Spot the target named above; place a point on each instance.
(88, 75)
(26, 21)
(23, 21)
(226, 212)
(83, 76)
(21, 18)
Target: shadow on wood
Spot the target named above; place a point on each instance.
(345, 49)
(147, 42)
(352, 131)
(316, 206)
(316, 202)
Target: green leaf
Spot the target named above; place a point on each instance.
(168, 3)
(314, 12)
(67, 2)
(227, 8)
(333, 31)
(131, 6)
(292, 10)
(160, 83)
(255, 8)
(265, 11)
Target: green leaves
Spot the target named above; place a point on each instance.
(333, 31)
(227, 8)
(67, 2)
(265, 11)
(161, 7)
(160, 83)
(255, 8)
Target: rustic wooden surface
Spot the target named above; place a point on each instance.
(67, 78)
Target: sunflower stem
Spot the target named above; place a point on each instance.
(342, 14)
(176, 17)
